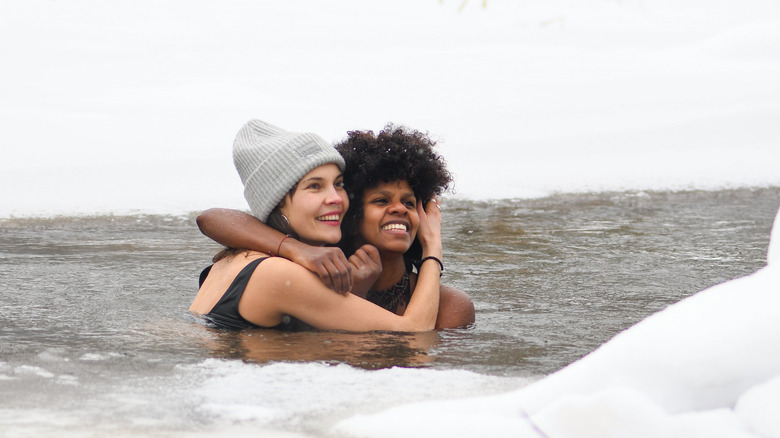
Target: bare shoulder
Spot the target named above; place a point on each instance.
(453, 292)
(220, 276)
(456, 310)
(278, 271)
(283, 266)
(276, 288)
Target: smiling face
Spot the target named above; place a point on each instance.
(390, 218)
(318, 205)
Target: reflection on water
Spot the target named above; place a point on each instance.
(363, 350)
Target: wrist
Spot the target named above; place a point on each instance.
(431, 260)
(288, 248)
(431, 244)
(432, 251)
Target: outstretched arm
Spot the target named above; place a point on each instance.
(280, 288)
(283, 288)
(237, 229)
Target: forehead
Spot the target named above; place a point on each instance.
(401, 187)
(326, 171)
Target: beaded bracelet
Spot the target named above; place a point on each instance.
(441, 265)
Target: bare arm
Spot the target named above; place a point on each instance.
(237, 229)
(429, 234)
(281, 288)
(455, 307)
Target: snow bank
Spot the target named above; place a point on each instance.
(133, 107)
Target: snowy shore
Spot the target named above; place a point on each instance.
(117, 108)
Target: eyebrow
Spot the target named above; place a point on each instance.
(389, 193)
(321, 178)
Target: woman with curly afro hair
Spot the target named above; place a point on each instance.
(386, 176)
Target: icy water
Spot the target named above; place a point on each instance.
(95, 337)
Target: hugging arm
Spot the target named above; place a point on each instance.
(279, 287)
(236, 229)
(282, 288)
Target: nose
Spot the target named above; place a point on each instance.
(397, 207)
(333, 197)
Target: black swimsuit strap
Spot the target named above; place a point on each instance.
(225, 312)
(203, 274)
(237, 287)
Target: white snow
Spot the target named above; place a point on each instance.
(133, 107)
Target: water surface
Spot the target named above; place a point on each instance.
(95, 336)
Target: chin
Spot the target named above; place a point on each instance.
(321, 240)
(398, 249)
(332, 240)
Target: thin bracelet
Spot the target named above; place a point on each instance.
(279, 250)
(441, 265)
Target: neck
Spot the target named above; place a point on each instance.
(392, 270)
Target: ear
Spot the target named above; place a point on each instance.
(284, 203)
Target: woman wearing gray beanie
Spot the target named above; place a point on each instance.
(297, 178)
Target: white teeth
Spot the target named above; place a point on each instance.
(331, 217)
(391, 227)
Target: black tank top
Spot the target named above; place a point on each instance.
(225, 314)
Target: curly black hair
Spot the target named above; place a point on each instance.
(396, 153)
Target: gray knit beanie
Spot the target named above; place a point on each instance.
(271, 161)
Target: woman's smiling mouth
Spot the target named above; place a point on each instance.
(330, 217)
(395, 226)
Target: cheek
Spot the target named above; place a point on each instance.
(368, 234)
(306, 204)
(367, 223)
